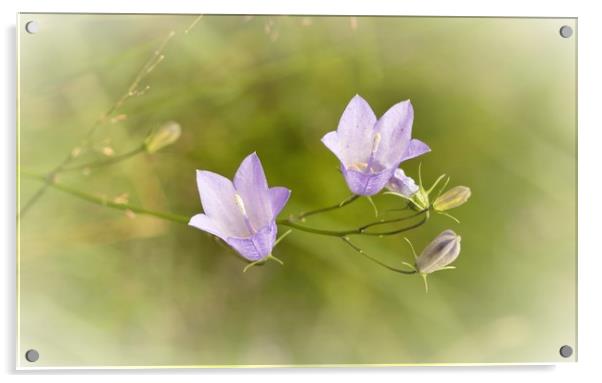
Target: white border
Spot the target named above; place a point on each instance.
(590, 191)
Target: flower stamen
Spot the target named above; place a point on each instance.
(376, 142)
(359, 166)
(241, 206)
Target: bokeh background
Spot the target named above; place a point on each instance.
(495, 98)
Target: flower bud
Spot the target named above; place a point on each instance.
(442, 251)
(166, 135)
(452, 198)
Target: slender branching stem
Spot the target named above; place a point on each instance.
(344, 235)
(131, 91)
(102, 201)
(356, 231)
(106, 162)
(378, 262)
(346, 201)
(392, 220)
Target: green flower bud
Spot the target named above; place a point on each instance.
(452, 198)
(166, 135)
(442, 251)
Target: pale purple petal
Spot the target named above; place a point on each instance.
(362, 183)
(251, 185)
(355, 132)
(415, 149)
(331, 141)
(256, 247)
(242, 212)
(395, 130)
(402, 184)
(278, 198)
(219, 203)
(203, 222)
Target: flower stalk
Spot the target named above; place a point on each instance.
(301, 217)
(176, 218)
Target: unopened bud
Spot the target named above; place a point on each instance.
(166, 135)
(452, 198)
(442, 251)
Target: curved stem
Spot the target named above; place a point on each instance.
(331, 233)
(392, 220)
(380, 263)
(182, 219)
(398, 231)
(347, 201)
(105, 202)
(356, 231)
(132, 90)
(109, 161)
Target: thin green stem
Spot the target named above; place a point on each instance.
(132, 90)
(378, 262)
(281, 237)
(373, 206)
(182, 219)
(109, 161)
(48, 179)
(105, 202)
(397, 231)
(331, 233)
(346, 201)
(356, 231)
(392, 220)
(411, 248)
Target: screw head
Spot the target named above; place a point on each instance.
(32, 27)
(566, 31)
(32, 355)
(566, 351)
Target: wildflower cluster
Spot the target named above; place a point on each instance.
(243, 212)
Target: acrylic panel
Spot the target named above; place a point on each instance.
(229, 190)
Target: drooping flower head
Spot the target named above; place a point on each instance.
(242, 212)
(370, 149)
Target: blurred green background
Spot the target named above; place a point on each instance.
(494, 98)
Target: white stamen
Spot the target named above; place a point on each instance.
(376, 142)
(240, 204)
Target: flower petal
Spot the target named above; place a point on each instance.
(250, 183)
(362, 183)
(395, 129)
(278, 198)
(257, 246)
(219, 203)
(415, 148)
(355, 132)
(203, 222)
(402, 184)
(331, 141)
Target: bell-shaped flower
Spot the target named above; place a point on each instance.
(370, 149)
(242, 212)
(438, 254)
(402, 184)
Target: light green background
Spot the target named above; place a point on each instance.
(495, 98)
